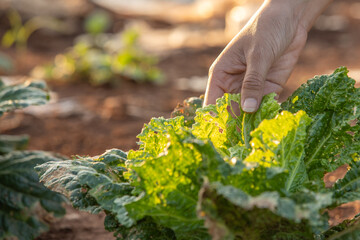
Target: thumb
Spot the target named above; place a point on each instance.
(252, 89)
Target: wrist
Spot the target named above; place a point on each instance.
(305, 12)
(312, 11)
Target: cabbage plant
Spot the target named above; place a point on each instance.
(22, 197)
(221, 175)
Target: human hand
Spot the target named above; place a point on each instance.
(260, 59)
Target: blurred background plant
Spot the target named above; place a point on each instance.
(103, 58)
(19, 32)
(97, 22)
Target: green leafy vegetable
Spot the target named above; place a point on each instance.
(224, 174)
(98, 184)
(221, 124)
(20, 191)
(347, 230)
(348, 188)
(22, 95)
(232, 214)
(278, 149)
(10, 143)
(21, 194)
(333, 103)
(188, 109)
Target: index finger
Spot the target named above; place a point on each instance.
(212, 93)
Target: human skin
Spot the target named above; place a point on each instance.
(261, 57)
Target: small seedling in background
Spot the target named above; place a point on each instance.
(135, 64)
(19, 32)
(97, 22)
(92, 62)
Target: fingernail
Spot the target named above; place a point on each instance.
(250, 105)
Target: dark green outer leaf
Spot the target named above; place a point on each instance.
(333, 102)
(348, 189)
(347, 230)
(322, 93)
(10, 143)
(230, 213)
(20, 192)
(16, 224)
(144, 229)
(90, 184)
(22, 95)
(97, 184)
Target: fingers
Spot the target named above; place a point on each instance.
(212, 93)
(252, 89)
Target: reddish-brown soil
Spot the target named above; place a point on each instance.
(116, 125)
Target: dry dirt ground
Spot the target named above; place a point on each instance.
(112, 117)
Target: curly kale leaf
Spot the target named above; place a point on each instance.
(170, 183)
(226, 125)
(279, 143)
(276, 159)
(153, 139)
